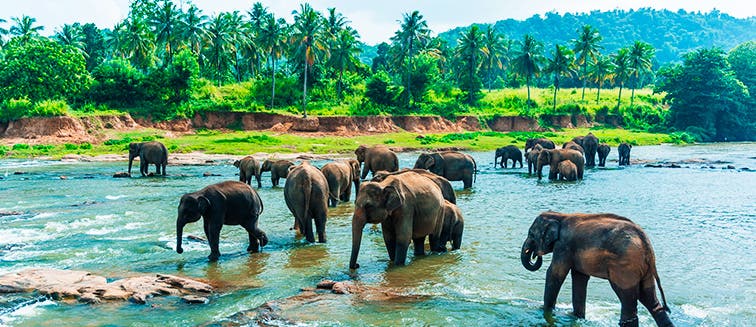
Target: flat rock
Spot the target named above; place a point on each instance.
(121, 174)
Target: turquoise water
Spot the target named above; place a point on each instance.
(702, 224)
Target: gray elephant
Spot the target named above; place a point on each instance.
(225, 203)
(554, 157)
(574, 146)
(306, 195)
(376, 158)
(453, 226)
(567, 170)
(590, 144)
(148, 153)
(340, 176)
(624, 154)
(506, 153)
(447, 191)
(603, 152)
(278, 169)
(248, 167)
(544, 142)
(408, 207)
(601, 245)
(452, 165)
(532, 157)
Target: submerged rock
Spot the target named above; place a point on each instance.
(85, 287)
(209, 174)
(121, 174)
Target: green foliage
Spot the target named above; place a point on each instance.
(743, 61)
(644, 117)
(378, 89)
(117, 84)
(49, 108)
(20, 146)
(85, 146)
(14, 109)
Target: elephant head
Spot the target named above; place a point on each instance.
(544, 158)
(134, 149)
(190, 209)
(355, 174)
(360, 152)
(374, 203)
(433, 162)
(237, 163)
(266, 165)
(542, 235)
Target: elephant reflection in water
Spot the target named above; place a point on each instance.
(308, 257)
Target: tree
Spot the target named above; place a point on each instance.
(24, 27)
(471, 50)
(272, 38)
(307, 38)
(165, 23)
(257, 18)
(3, 33)
(413, 29)
(562, 63)
(743, 61)
(71, 35)
(381, 59)
(601, 70)
(641, 54)
(497, 53)
(137, 42)
(243, 47)
(528, 61)
(193, 30)
(220, 42)
(587, 48)
(344, 53)
(706, 98)
(622, 70)
(94, 45)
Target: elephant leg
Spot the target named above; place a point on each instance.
(552, 173)
(347, 194)
(555, 276)
(579, 288)
(308, 232)
(629, 300)
(419, 245)
(649, 300)
(468, 180)
(437, 243)
(401, 252)
(320, 225)
(213, 238)
(163, 166)
(253, 242)
(389, 239)
(456, 241)
(143, 167)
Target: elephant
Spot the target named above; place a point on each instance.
(544, 142)
(248, 167)
(567, 170)
(452, 165)
(453, 226)
(376, 158)
(624, 153)
(278, 169)
(602, 245)
(306, 194)
(532, 157)
(446, 188)
(590, 144)
(603, 152)
(408, 207)
(224, 203)
(554, 157)
(574, 146)
(340, 175)
(149, 153)
(506, 153)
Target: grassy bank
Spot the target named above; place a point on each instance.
(243, 143)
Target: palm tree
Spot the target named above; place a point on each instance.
(471, 50)
(528, 61)
(601, 70)
(272, 38)
(137, 42)
(562, 63)
(71, 35)
(241, 43)
(497, 53)
(413, 29)
(257, 18)
(165, 23)
(308, 26)
(640, 61)
(3, 32)
(24, 27)
(587, 49)
(193, 30)
(344, 53)
(334, 23)
(220, 43)
(622, 70)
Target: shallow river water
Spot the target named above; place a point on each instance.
(701, 222)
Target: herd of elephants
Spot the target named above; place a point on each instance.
(412, 204)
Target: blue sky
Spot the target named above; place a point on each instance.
(375, 20)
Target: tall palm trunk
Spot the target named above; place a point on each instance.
(409, 76)
(527, 83)
(556, 88)
(619, 97)
(632, 92)
(472, 74)
(598, 91)
(341, 77)
(273, 92)
(585, 68)
(304, 95)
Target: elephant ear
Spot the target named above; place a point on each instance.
(550, 233)
(355, 169)
(203, 204)
(393, 198)
(237, 163)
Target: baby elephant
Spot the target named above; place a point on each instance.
(225, 203)
(567, 170)
(278, 169)
(453, 224)
(248, 168)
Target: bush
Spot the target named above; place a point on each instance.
(379, 90)
(3, 150)
(117, 84)
(70, 146)
(85, 146)
(14, 109)
(644, 116)
(49, 108)
(20, 146)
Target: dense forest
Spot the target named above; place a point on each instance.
(168, 60)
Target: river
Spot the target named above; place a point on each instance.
(701, 222)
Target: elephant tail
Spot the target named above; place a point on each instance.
(652, 264)
(475, 169)
(307, 189)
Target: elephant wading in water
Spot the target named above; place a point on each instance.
(408, 207)
(447, 191)
(453, 226)
(567, 170)
(532, 157)
(600, 245)
(278, 169)
(452, 165)
(554, 157)
(506, 153)
(148, 153)
(544, 142)
(376, 158)
(340, 176)
(624, 154)
(248, 167)
(603, 152)
(306, 195)
(225, 203)
(572, 145)
(590, 145)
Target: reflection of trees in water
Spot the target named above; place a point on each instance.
(307, 256)
(237, 272)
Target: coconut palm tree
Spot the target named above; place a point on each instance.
(165, 23)
(587, 48)
(622, 70)
(242, 45)
(220, 41)
(71, 35)
(471, 50)
(137, 42)
(308, 41)
(412, 35)
(25, 28)
(561, 63)
(640, 61)
(193, 24)
(344, 53)
(253, 51)
(527, 63)
(497, 53)
(272, 38)
(601, 70)
(258, 16)
(3, 33)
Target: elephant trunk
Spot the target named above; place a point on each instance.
(358, 223)
(356, 182)
(527, 255)
(179, 231)
(131, 160)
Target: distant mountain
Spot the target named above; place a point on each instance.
(673, 34)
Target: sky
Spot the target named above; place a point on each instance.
(376, 21)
